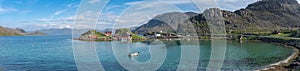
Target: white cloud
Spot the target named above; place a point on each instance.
(107, 18)
(83, 22)
(65, 19)
(173, 2)
(149, 4)
(142, 11)
(72, 5)
(43, 20)
(93, 1)
(5, 10)
(68, 7)
(178, 1)
(60, 11)
(234, 4)
(205, 4)
(230, 0)
(2, 10)
(53, 25)
(111, 7)
(70, 18)
(133, 3)
(67, 22)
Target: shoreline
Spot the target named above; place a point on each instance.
(281, 65)
(289, 64)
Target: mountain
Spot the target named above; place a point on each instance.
(16, 32)
(263, 16)
(268, 14)
(35, 33)
(66, 31)
(63, 31)
(8, 32)
(167, 22)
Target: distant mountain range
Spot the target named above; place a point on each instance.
(63, 31)
(17, 32)
(66, 31)
(262, 16)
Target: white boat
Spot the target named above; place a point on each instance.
(134, 54)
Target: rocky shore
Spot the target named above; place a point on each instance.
(292, 63)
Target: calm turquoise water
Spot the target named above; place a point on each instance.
(56, 53)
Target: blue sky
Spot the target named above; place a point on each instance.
(43, 14)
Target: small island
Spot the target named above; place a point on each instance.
(122, 34)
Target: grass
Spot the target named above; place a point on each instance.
(282, 35)
(137, 37)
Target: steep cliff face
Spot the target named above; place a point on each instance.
(264, 15)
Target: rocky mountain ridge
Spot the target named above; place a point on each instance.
(263, 16)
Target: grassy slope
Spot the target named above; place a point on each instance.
(5, 33)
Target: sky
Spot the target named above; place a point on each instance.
(44, 14)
